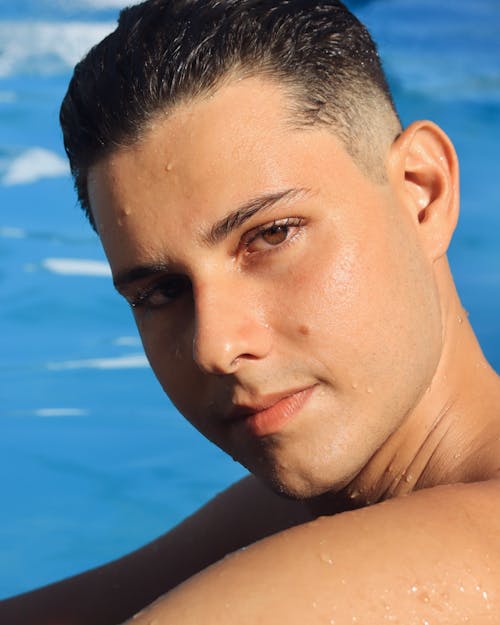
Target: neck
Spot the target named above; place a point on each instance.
(452, 434)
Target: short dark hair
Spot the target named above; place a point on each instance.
(164, 52)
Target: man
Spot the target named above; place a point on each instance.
(282, 242)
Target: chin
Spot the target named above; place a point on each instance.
(298, 470)
(300, 485)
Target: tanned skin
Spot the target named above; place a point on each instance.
(319, 340)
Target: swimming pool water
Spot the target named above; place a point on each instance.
(94, 459)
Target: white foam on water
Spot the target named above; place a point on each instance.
(45, 48)
(77, 267)
(7, 97)
(98, 4)
(8, 232)
(132, 361)
(60, 412)
(127, 341)
(33, 165)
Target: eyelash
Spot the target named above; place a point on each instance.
(259, 232)
(144, 297)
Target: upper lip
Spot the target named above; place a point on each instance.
(241, 410)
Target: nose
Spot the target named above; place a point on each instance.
(230, 329)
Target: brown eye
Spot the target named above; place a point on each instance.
(272, 235)
(275, 234)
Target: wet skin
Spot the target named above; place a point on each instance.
(320, 281)
(302, 315)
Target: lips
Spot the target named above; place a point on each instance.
(270, 414)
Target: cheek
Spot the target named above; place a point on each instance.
(357, 310)
(317, 300)
(169, 355)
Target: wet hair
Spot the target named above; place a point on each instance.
(167, 52)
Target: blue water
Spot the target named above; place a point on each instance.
(94, 460)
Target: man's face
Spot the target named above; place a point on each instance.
(282, 296)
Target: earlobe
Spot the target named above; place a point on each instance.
(423, 169)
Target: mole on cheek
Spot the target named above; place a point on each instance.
(304, 330)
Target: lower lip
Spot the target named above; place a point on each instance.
(274, 418)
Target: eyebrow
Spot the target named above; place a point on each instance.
(128, 276)
(217, 232)
(223, 228)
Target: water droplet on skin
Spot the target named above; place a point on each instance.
(168, 167)
(326, 558)
(390, 469)
(460, 319)
(354, 385)
(408, 478)
(424, 597)
(461, 589)
(414, 589)
(369, 390)
(485, 595)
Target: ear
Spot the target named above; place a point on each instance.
(423, 170)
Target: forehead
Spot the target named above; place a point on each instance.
(206, 158)
(205, 136)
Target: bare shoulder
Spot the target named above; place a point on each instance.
(428, 557)
(244, 513)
